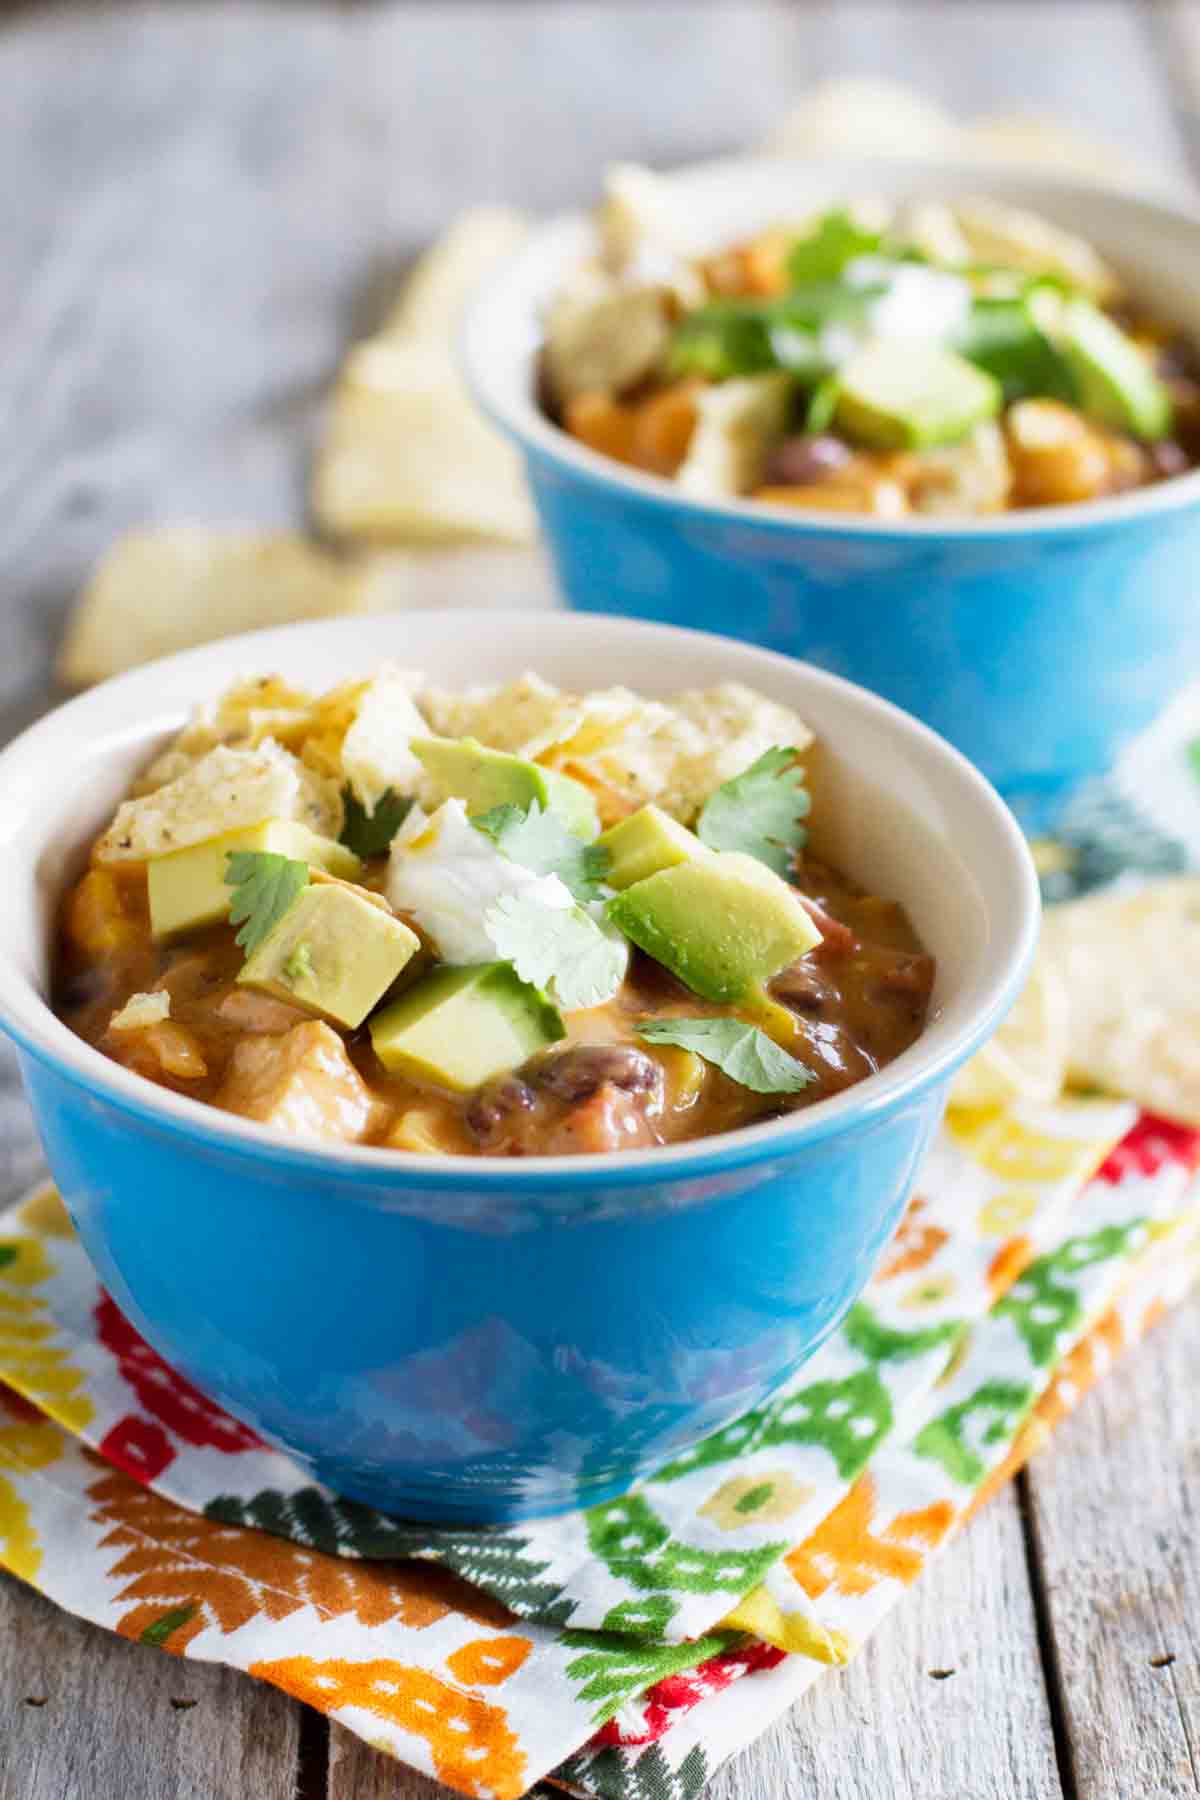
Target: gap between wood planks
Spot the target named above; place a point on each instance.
(1047, 1648)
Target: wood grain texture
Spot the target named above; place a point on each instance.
(946, 1702)
(85, 1715)
(1116, 1509)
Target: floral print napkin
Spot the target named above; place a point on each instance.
(634, 1646)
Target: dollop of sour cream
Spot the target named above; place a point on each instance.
(919, 304)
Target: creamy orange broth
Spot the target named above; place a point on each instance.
(846, 1009)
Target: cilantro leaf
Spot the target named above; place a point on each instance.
(561, 950)
(723, 338)
(759, 811)
(746, 1054)
(824, 253)
(371, 834)
(264, 887)
(539, 839)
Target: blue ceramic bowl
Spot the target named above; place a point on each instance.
(485, 1339)
(1038, 642)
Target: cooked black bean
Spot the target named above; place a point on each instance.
(496, 1102)
(800, 461)
(581, 1070)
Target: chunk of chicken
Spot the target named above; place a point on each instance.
(302, 1082)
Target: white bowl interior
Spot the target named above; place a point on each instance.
(894, 805)
(1154, 244)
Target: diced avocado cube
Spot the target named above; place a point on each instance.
(724, 924)
(188, 888)
(896, 394)
(334, 952)
(1115, 381)
(467, 770)
(647, 841)
(459, 1027)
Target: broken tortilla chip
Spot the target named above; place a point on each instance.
(157, 592)
(1130, 964)
(407, 457)
(444, 279)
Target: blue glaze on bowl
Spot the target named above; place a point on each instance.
(1038, 656)
(478, 1349)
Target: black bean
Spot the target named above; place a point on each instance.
(83, 988)
(580, 1071)
(801, 461)
(495, 1102)
(1168, 459)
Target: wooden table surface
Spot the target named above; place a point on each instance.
(198, 207)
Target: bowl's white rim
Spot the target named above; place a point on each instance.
(521, 419)
(27, 1017)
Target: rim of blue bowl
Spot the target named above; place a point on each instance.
(516, 412)
(913, 1073)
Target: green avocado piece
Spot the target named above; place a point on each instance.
(647, 841)
(723, 924)
(1115, 381)
(187, 888)
(459, 1027)
(465, 769)
(901, 395)
(334, 952)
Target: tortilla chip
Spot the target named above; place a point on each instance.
(157, 592)
(446, 277)
(1020, 138)
(1018, 239)
(868, 117)
(1131, 966)
(408, 457)
(446, 575)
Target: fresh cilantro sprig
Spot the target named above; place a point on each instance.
(371, 833)
(264, 886)
(759, 811)
(561, 950)
(746, 1054)
(539, 839)
(836, 240)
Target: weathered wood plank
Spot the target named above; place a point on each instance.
(1116, 1510)
(947, 1702)
(1085, 63)
(87, 1714)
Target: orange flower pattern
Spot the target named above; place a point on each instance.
(471, 1741)
(173, 1562)
(846, 1553)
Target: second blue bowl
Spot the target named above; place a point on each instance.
(1039, 642)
